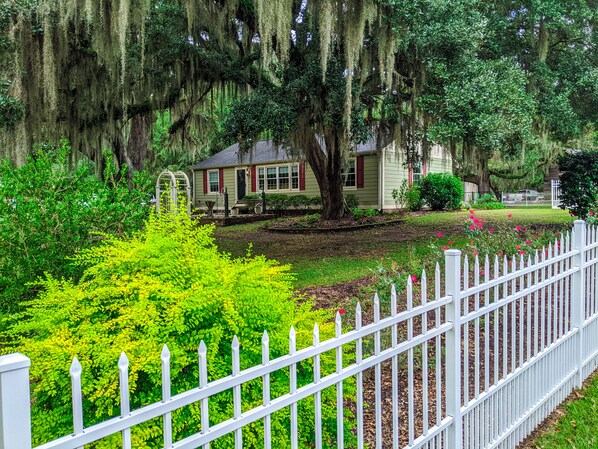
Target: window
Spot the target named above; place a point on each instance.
(349, 174)
(283, 177)
(295, 177)
(260, 179)
(271, 178)
(417, 172)
(214, 184)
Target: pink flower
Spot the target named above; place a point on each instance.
(475, 253)
(472, 227)
(522, 252)
(528, 242)
(591, 213)
(470, 240)
(518, 228)
(475, 220)
(450, 242)
(444, 247)
(471, 217)
(491, 231)
(517, 246)
(414, 278)
(510, 216)
(500, 253)
(440, 235)
(479, 225)
(341, 311)
(471, 211)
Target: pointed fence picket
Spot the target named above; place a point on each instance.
(479, 366)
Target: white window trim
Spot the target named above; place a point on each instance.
(290, 167)
(354, 159)
(209, 184)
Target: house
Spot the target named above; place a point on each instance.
(370, 174)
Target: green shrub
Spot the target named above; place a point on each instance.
(400, 195)
(168, 284)
(579, 182)
(48, 212)
(280, 202)
(358, 214)
(442, 191)
(413, 198)
(488, 202)
(352, 201)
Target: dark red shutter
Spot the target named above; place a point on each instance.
(221, 179)
(359, 167)
(410, 173)
(302, 176)
(253, 179)
(205, 182)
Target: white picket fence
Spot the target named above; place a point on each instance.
(478, 365)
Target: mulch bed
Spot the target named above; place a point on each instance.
(346, 296)
(301, 225)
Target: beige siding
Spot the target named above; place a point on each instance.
(229, 183)
(394, 173)
(368, 196)
(395, 169)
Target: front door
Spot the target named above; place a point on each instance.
(241, 184)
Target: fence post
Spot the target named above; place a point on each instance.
(452, 280)
(15, 408)
(578, 295)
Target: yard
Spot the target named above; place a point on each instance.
(336, 268)
(335, 258)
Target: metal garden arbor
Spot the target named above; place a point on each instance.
(173, 187)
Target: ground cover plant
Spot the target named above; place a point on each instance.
(48, 212)
(167, 284)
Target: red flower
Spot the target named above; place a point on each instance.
(444, 247)
(341, 311)
(475, 253)
(522, 252)
(517, 246)
(471, 211)
(500, 253)
(479, 225)
(510, 216)
(471, 217)
(414, 278)
(591, 213)
(472, 227)
(518, 228)
(528, 242)
(450, 242)
(491, 231)
(440, 235)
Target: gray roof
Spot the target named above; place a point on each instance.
(264, 152)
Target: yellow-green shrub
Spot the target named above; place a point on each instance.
(168, 284)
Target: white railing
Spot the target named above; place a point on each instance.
(555, 186)
(477, 366)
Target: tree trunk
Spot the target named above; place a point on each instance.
(326, 166)
(135, 153)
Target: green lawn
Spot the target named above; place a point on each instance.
(328, 259)
(578, 427)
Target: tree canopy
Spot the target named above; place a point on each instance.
(505, 86)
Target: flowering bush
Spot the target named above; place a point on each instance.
(506, 239)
